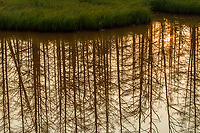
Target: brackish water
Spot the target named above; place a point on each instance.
(135, 79)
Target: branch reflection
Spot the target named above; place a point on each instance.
(135, 83)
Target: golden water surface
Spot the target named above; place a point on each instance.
(142, 79)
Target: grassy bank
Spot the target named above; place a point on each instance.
(71, 15)
(176, 6)
(77, 15)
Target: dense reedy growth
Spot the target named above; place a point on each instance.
(70, 15)
(176, 6)
(76, 15)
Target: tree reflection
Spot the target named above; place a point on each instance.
(121, 84)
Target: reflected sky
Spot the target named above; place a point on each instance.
(133, 79)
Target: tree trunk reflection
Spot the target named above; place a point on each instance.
(130, 83)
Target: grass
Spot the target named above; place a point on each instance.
(177, 6)
(77, 15)
(70, 15)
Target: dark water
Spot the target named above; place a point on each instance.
(133, 79)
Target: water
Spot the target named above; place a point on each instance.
(133, 79)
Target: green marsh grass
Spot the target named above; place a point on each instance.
(176, 6)
(71, 15)
(77, 15)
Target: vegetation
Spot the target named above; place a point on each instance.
(176, 6)
(76, 15)
(70, 15)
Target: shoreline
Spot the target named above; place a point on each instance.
(75, 16)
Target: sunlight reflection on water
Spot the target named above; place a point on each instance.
(132, 79)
